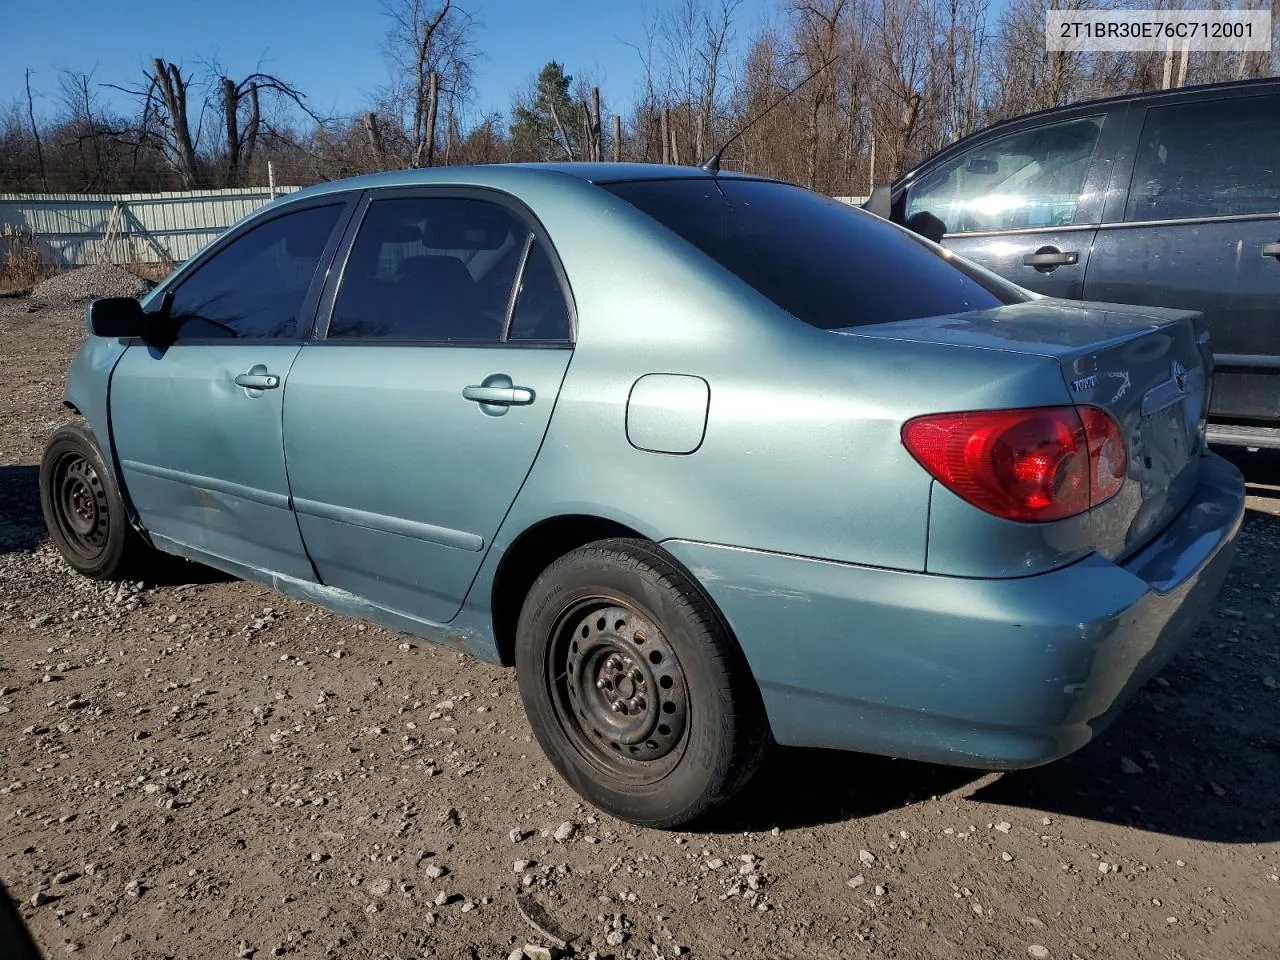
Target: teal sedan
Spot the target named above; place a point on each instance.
(712, 461)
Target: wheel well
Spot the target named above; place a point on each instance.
(531, 553)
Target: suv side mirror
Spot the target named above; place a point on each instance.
(880, 202)
(117, 317)
(927, 225)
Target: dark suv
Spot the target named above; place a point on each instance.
(1169, 198)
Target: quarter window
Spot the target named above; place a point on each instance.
(1028, 179)
(437, 269)
(540, 311)
(1212, 159)
(254, 287)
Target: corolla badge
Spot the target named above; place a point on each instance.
(1179, 374)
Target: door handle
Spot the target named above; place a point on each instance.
(1048, 259)
(1271, 250)
(258, 381)
(502, 396)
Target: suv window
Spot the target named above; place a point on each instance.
(541, 312)
(430, 269)
(826, 262)
(255, 286)
(1032, 178)
(1211, 159)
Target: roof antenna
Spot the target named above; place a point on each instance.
(712, 165)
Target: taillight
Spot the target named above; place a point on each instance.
(1036, 464)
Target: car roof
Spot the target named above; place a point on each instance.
(510, 175)
(1138, 96)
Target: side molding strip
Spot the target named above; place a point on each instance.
(459, 539)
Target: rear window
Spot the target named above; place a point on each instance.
(827, 263)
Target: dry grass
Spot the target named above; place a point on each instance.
(22, 265)
(155, 272)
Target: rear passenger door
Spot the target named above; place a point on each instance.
(413, 418)
(1199, 229)
(1025, 203)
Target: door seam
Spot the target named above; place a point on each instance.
(284, 455)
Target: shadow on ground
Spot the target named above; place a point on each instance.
(1202, 740)
(21, 524)
(22, 529)
(1261, 470)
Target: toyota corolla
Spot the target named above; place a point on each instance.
(712, 461)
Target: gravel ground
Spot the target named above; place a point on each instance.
(86, 283)
(203, 768)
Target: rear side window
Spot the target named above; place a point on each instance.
(1213, 159)
(254, 287)
(827, 263)
(436, 269)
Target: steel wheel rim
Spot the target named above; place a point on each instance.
(80, 506)
(619, 692)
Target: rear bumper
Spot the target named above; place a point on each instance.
(996, 674)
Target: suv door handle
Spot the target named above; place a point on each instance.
(1271, 250)
(1048, 259)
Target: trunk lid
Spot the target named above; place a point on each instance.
(1146, 366)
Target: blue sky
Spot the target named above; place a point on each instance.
(330, 49)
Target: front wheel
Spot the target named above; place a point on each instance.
(635, 689)
(83, 508)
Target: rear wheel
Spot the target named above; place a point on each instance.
(634, 687)
(83, 508)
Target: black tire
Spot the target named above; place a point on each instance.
(83, 508)
(634, 686)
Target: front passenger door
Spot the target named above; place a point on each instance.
(1024, 205)
(196, 422)
(411, 425)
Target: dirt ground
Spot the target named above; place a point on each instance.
(203, 768)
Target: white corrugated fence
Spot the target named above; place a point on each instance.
(73, 229)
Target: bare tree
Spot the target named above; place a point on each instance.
(820, 29)
(172, 119)
(430, 48)
(35, 131)
(82, 123)
(1026, 76)
(243, 119)
(964, 39)
(692, 40)
(369, 121)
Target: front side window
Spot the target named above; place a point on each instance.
(1212, 159)
(823, 261)
(255, 286)
(1028, 179)
(435, 269)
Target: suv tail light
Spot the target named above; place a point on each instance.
(1035, 464)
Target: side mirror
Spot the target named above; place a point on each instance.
(927, 225)
(117, 317)
(880, 202)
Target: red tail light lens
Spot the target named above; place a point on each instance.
(1037, 464)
